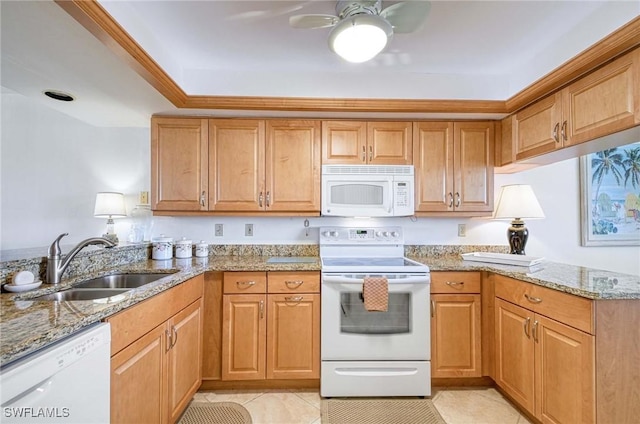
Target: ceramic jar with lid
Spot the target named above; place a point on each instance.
(202, 249)
(162, 248)
(184, 248)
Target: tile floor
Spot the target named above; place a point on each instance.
(457, 406)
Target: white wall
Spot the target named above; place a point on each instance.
(52, 166)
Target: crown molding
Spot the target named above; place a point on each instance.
(91, 15)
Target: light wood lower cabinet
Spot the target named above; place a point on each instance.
(156, 356)
(455, 324)
(271, 335)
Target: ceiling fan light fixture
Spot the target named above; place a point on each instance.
(360, 38)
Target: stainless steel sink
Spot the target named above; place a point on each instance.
(104, 295)
(121, 281)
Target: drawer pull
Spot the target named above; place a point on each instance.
(455, 284)
(535, 331)
(450, 200)
(296, 299)
(527, 324)
(433, 308)
(261, 309)
(532, 299)
(293, 284)
(555, 132)
(174, 340)
(169, 343)
(245, 284)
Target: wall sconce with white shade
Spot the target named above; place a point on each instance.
(360, 37)
(110, 205)
(516, 202)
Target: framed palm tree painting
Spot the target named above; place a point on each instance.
(610, 196)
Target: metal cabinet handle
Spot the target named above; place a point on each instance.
(202, 198)
(527, 324)
(457, 199)
(533, 299)
(260, 199)
(555, 132)
(370, 153)
(450, 199)
(293, 284)
(433, 309)
(296, 299)
(364, 154)
(167, 334)
(454, 284)
(174, 340)
(261, 309)
(564, 131)
(268, 198)
(535, 331)
(245, 284)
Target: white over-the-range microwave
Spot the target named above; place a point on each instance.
(367, 190)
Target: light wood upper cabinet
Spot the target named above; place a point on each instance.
(292, 179)
(359, 143)
(258, 166)
(236, 164)
(453, 166)
(179, 164)
(602, 103)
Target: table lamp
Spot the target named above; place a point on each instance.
(517, 201)
(110, 205)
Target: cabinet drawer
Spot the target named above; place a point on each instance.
(294, 282)
(455, 282)
(572, 310)
(245, 282)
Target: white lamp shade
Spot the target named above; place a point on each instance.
(360, 38)
(518, 201)
(109, 204)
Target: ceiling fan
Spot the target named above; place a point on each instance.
(361, 29)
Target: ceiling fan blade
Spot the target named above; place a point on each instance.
(313, 21)
(407, 16)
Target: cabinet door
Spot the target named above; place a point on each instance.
(515, 353)
(604, 102)
(565, 373)
(292, 180)
(184, 358)
(389, 143)
(179, 164)
(236, 165)
(244, 337)
(455, 336)
(293, 336)
(537, 128)
(344, 142)
(137, 380)
(473, 166)
(433, 161)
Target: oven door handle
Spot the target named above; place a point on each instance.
(348, 280)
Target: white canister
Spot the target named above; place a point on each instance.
(202, 249)
(184, 248)
(162, 248)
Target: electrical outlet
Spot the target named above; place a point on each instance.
(144, 197)
(462, 230)
(248, 230)
(219, 230)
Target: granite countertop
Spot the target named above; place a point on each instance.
(27, 325)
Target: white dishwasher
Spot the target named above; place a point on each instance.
(66, 382)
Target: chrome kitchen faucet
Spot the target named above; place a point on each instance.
(56, 266)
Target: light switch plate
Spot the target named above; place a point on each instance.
(219, 230)
(462, 230)
(248, 230)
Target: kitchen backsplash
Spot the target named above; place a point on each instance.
(94, 259)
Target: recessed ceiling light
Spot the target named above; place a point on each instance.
(59, 95)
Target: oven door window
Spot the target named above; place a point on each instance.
(355, 319)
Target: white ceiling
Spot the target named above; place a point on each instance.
(465, 50)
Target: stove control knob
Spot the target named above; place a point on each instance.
(333, 234)
(326, 233)
(394, 234)
(378, 233)
(386, 233)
